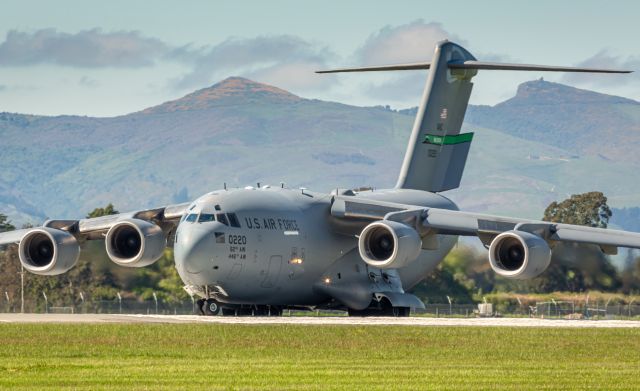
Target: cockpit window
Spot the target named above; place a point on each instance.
(204, 217)
(192, 218)
(233, 220)
(222, 218)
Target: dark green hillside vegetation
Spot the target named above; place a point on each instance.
(548, 141)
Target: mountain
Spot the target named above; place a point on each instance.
(237, 131)
(545, 143)
(232, 90)
(580, 121)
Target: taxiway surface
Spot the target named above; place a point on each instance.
(314, 320)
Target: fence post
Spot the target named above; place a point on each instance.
(120, 303)
(155, 298)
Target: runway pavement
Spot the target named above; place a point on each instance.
(314, 320)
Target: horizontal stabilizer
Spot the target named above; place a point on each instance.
(526, 67)
(496, 66)
(397, 67)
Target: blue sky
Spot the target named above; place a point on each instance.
(116, 57)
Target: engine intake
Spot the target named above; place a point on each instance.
(519, 255)
(389, 245)
(48, 251)
(135, 243)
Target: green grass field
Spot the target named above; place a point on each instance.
(204, 357)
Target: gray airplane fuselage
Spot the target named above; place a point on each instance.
(280, 246)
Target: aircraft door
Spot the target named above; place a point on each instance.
(272, 272)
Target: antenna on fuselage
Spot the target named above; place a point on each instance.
(225, 185)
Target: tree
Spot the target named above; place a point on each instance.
(5, 224)
(99, 212)
(578, 267)
(588, 209)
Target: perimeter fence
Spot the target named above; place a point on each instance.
(547, 309)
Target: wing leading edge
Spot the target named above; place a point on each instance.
(166, 217)
(486, 227)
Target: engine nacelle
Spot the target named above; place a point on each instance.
(389, 245)
(519, 255)
(135, 243)
(48, 251)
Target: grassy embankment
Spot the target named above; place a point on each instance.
(326, 357)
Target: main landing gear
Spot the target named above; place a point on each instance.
(382, 308)
(211, 307)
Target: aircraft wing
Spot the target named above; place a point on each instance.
(429, 221)
(165, 217)
(465, 223)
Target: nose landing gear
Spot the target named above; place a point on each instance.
(208, 307)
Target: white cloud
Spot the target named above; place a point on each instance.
(284, 60)
(85, 49)
(604, 59)
(88, 82)
(295, 76)
(412, 42)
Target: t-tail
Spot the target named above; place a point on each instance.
(437, 151)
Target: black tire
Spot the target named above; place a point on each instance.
(261, 310)
(229, 311)
(401, 312)
(275, 311)
(199, 307)
(211, 307)
(364, 312)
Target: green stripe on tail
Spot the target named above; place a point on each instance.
(448, 140)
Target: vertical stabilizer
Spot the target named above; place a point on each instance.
(437, 152)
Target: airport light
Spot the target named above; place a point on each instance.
(327, 280)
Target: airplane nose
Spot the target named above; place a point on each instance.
(194, 249)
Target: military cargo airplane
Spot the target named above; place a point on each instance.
(263, 248)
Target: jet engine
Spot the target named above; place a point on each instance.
(519, 255)
(389, 245)
(48, 251)
(135, 243)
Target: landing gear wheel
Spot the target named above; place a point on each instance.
(199, 307)
(275, 311)
(401, 312)
(211, 307)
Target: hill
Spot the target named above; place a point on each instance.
(580, 121)
(541, 145)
